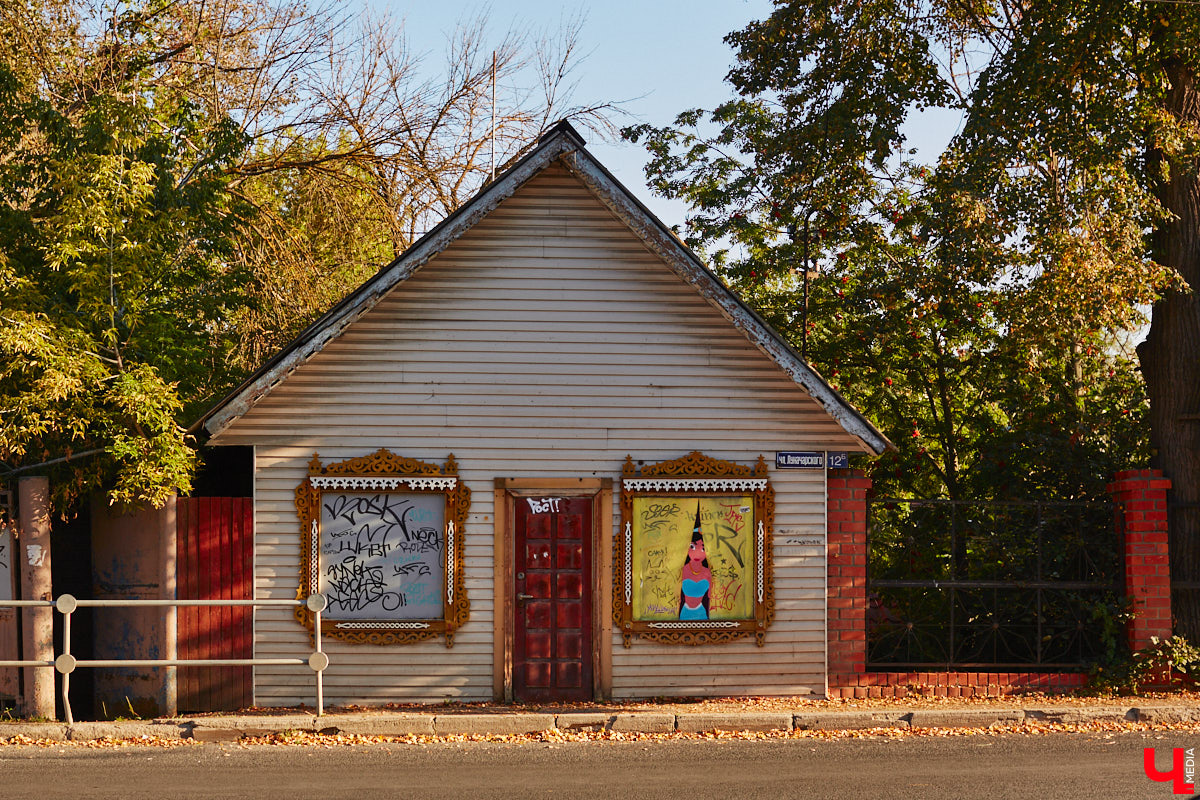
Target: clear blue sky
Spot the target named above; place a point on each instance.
(663, 56)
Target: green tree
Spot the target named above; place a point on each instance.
(1069, 196)
(118, 268)
(317, 235)
(928, 313)
(188, 183)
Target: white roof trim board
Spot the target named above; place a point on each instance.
(561, 143)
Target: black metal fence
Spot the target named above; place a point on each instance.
(998, 586)
(1185, 567)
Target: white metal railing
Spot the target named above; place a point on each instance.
(65, 663)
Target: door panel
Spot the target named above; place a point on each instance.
(552, 637)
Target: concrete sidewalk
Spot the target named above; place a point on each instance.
(438, 722)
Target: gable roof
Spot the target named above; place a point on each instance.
(563, 144)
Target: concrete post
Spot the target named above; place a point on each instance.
(170, 614)
(37, 626)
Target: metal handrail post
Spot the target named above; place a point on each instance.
(65, 663)
(318, 661)
(320, 672)
(66, 676)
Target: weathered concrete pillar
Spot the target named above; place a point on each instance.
(37, 624)
(169, 591)
(10, 680)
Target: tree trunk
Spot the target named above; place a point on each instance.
(1170, 358)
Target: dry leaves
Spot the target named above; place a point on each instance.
(555, 736)
(733, 705)
(729, 705)
(105, 743)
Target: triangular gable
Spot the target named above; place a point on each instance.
(562, 144)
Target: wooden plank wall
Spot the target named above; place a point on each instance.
(214, 562)
(546, 342)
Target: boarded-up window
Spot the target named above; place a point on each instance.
(382, 554)
(693, 554)
(693, 557)
(383, 543)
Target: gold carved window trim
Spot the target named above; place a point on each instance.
(694, 484)
(674, 512)
(349, 482)
(382, 527)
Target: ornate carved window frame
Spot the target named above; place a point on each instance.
(386, 472)
(695, 475)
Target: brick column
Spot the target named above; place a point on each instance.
(1141, 497)
(846, 542)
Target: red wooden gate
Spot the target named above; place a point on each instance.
(213, 562)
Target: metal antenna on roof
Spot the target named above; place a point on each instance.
(493, 138)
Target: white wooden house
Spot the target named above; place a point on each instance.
(545, 332)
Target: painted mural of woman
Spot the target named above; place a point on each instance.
(696, 586)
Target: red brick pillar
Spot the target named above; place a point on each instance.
(1141, 497)
(846, 541)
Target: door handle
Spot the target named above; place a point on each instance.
(523, 596)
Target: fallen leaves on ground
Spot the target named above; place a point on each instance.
(104, 743)
(682, 705)
(556, 736)
(733, 705)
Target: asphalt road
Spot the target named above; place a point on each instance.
(959, 768)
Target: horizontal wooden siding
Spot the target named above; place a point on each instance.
(547, 342)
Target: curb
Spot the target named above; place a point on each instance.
(498, 724)
(231, 729)
(969, 718)
(850, 720)
(703, 723)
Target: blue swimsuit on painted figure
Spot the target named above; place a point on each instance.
(696, 580)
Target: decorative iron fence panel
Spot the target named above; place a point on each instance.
(1185, 567)
(997, 586)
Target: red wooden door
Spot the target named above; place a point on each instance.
(552, 637)
(214, 543)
